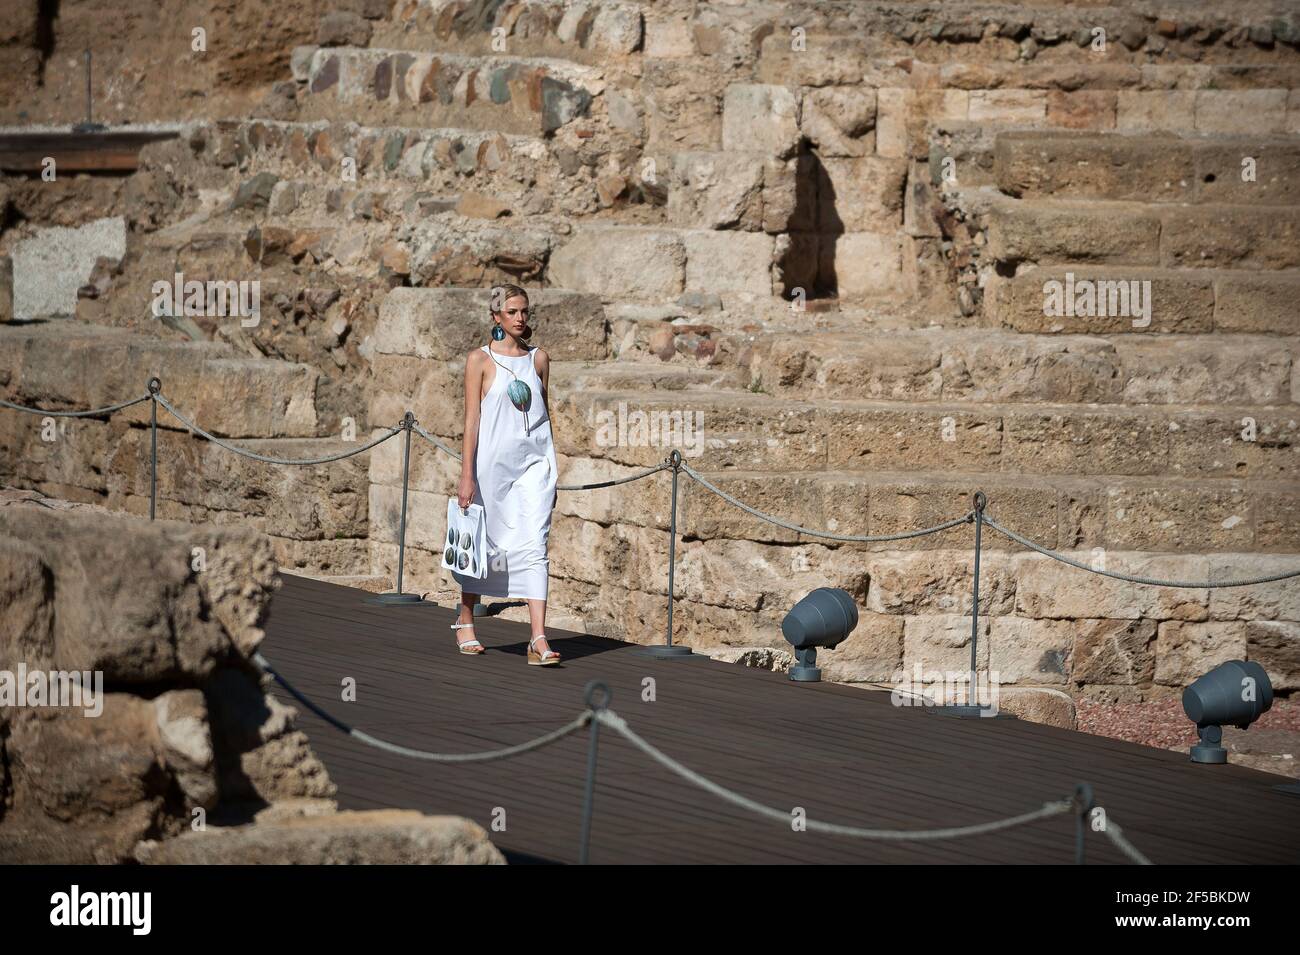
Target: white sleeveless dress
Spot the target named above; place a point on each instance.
(515, 476)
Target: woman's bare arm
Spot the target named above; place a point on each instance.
(474, 365)
(544, 372)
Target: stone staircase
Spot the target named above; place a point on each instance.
(832, 257)
(315, 517)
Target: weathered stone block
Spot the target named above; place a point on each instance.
(1256, 304)
(865, 264)
(1073, 233)
(381, 836)
(840, 120)
(1030, 651)
(1240, 111)
(1156, 109)
(1275, 645)
(759, 117)
(942, 643)
(865, 195)
(1276, 600)
(630, 264)
(1113, 651)
(1230, 236)
(49, 267)
(1045, 588)
(718, 190)
(1186, 650)
(723, 262)
(1008, 106)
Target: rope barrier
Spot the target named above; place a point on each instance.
(268, 459)
(617, 723)
(76, 414)
(866, 538)
(966, 518)
(480, 757)
(1131, 578)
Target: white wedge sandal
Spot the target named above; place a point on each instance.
(469, 647)
(545, 658)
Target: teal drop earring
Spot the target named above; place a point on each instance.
(498, 332)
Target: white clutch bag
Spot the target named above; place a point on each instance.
(464, 548)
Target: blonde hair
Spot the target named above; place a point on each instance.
(502, 294)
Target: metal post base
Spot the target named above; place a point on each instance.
(969, 711)
(399, 600)
(665, 652)
(1214, 755)
(806, 674)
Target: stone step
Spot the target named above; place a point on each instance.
(665, 203)
(603, 28)
(653, 375)
(202, 482)
(1210, 235)
(962, 125)
(509, 94)
(584, 33)
(981, 365)
(627, 263)
(70, 365)
(1113, 513)
(1184, 301)
(1146, 168)
(754, 430)
(632, 263)
(108, 462)
(1151, 513)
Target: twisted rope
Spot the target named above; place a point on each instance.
(616, 722)
(869, 538)
(262, 457)
(480, 757)
(1131, 578)
(1116, 835)
(76, 414)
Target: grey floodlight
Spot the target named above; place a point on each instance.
(1234, 693)
(824, 618)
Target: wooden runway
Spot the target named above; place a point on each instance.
(845, 755)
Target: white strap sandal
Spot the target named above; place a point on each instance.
(544, 659)
(469, 647)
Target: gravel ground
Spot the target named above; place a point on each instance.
(1272, 743)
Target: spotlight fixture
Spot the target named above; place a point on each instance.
(824, 618)
(1234, 693)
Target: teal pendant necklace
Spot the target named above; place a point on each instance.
(519, 392)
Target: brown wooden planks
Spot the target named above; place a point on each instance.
(843, 753)
(113, 151)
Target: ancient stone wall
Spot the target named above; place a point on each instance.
(172, 751)
(824, 231)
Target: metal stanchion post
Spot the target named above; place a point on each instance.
(669, 650)
(398, 597)
(155, 387)
(588, 796)
(1083, 803)
(972, 706)
(980, 501)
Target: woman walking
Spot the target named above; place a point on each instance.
(508, 466)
